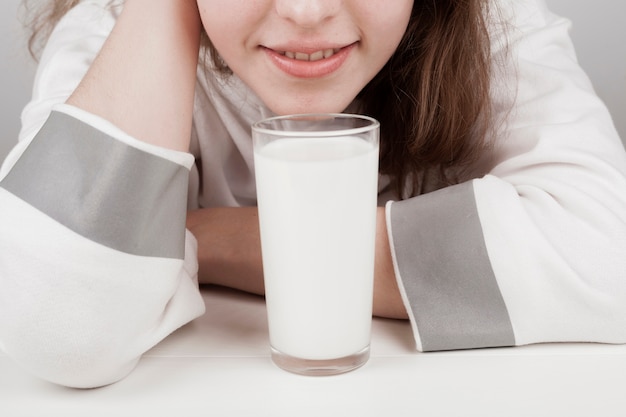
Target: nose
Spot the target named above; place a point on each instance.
(307, 13)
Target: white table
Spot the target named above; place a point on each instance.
(219, 365)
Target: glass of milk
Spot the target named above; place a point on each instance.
(317, 181)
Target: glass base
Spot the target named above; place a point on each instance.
(320, 367)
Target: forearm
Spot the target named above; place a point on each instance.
(230, 255)
(83, 239)
(104, 213)
(143, 80)
(387, 299)
(229, 247)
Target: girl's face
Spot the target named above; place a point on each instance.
(305, 56)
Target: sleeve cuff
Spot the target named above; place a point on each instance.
(444, 273)
(104, 185)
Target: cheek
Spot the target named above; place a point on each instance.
(396, 23)
(219, 17)
(211, 25)
(230, 25)
(391, 19)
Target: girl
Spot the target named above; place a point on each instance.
(502, 217)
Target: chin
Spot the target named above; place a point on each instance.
(310, 106)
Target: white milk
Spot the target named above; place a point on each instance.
(317, 210)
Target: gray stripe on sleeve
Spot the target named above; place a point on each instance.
(446, 273)
(103, 189)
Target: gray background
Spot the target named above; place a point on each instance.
(598, 32)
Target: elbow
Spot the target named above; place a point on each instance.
(67, 354)
(73, 366)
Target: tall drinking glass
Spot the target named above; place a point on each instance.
(317, 180)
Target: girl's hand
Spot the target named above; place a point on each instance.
(143, 80)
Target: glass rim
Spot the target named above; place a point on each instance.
(373, 124)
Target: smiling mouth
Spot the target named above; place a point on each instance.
(310, 64)
(315, 56)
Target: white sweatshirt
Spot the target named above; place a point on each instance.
(96, 266)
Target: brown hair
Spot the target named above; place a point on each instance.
(41, 17)
(431, 98)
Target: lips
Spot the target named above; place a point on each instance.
(310, 63)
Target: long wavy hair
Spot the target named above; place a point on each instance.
(432, 98)
(41, 17)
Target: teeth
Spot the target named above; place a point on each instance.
(329, 52)
(315, 56)
(302, 57)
